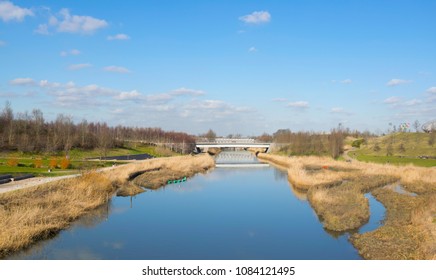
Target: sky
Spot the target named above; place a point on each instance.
(237, 67)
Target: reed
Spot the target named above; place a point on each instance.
(336, 191)
(33, 214)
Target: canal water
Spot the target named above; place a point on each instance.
(228, 213)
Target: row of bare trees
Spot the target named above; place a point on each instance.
(311, 143)
(30, 132)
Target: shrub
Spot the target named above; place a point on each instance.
(402, 148)
(37, 163)
(65, 163)
(357, 143)
(389, 150)
(376, 148)
(12, 162)
(53, 163)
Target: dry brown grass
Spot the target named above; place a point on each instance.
(409, 231)
(175, 168)
(33, 214)
(335, 190)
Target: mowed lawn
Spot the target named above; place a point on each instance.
(399, 149)
(39, 164)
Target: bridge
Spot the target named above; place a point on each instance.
(232, 143)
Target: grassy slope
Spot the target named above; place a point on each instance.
(415, 145)
(77, 156)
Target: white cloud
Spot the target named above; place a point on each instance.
(252, 49)
(159, 98)
(432, 90)
(42, 29)
(160, 110)
(72, 24)
(71, 95)
(117, 111)
(208, 104)
(396, 82)
(47, 84)
(346, 81)
(116, 69)
(279, 99)
(118, 37)
(413, 102)
(79, 66)
(256, 17)
(128, 95)
(22, 82)
(392, 100)
(2, 43)
(299, 104)
(71, 52)
(187, 91)
(339, 110)
(10, 12)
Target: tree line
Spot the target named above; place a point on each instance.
(311, 143)
(30, 132)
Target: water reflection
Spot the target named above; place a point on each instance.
(377, 214)
(237, 213)
(235, 157)
(42, 249)
(281, 174)
(401, 190)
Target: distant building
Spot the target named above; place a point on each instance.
(429, 126)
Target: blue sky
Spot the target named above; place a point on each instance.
(243, 67)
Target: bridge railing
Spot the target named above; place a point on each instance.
(229, 141)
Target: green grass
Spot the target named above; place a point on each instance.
(395, 160)
(26, 167)
(406, 149)
(35, 171)
(80, 154)
(415, 145)
(26, 161)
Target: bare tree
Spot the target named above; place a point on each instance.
(210, 135)
(336, 140)
(8, 122)
(416, 125)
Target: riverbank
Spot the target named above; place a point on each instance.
(37, 213)
(336, 191)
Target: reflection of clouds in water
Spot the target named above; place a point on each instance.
(75, 254)
(119, 210)
(187, 186)
(114, 245)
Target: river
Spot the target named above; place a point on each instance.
(228, 213)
